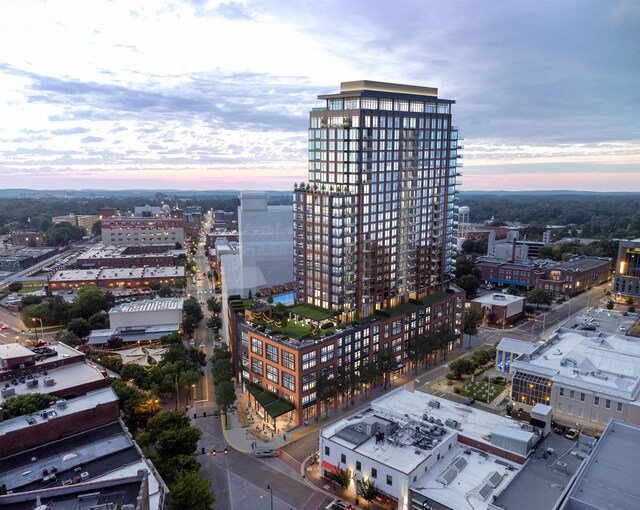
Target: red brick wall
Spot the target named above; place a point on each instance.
(59, 427)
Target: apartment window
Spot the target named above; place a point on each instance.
(580, 412)
(288, 381)
(272, 374)
(309, 360)
(343, 458)
(559, 406)
(596, 401)
(256, 366)
(572, 394)
(256, 346)
(569, 408)
(607, 404)
(374, 473)
(327, 451)
(272, 353)
(594, 416)
(396, 327)
(561, 392)
(619, 407)
(389, 480)
(288, 360)
(326, 353)
(358, 466)
(582, 397)
(308, 381)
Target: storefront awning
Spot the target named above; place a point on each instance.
(327, 466)
(253, 389)
(264, 398)
(278, 408)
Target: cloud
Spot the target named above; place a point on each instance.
(92, 139)
(70, 131)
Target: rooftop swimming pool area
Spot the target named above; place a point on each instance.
(288, 298)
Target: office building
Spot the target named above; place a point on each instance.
(85, 221)
(587, 378)
(627, 282)
(373, 241)
(142, 231)
(373, 227)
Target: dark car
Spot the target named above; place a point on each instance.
(469, 400)
(559, 429)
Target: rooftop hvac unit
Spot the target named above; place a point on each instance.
(434, 403)
(61, 404)
(49, 381)
(32, 383)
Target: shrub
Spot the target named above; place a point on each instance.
(457, 390)
(452, 376)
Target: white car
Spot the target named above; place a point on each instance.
(572, 434)
(622, 328)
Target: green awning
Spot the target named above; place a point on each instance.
(264, 398)
(253, 389)
(278, 408)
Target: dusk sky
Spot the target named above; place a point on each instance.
(216, 95)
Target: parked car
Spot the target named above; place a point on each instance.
(572, 434)
(622, 328)
(4, 326)
(266, 452)
(559, 429)
(589, 327)
(594, 323)
(469, 400)
(341, 505)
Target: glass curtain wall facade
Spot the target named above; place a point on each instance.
(373, 227)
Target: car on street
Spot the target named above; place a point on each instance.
(589, 327)
(595, 323)
(469, 401)
(622, 328)
(559, 429)
(572, 434)
(4, 326)
(341, 505)
(266, 452)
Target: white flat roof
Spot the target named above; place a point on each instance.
(407, 409)
(149, 305)
(74, 405)
(498, 299)
(8, 351)
(64, 377)
(67, 275)
(516, 346)
(462, 491)
(120, 272)
(603, 362)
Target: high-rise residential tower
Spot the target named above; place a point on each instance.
(373, 227)
(373, 241)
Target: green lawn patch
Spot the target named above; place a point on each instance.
(433, 298)
(400, 309)
(310, 313)
(368, 318)
(26, 289)
(479, 389)
(297, 330)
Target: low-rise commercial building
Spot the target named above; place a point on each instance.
(148, 312)
(17, 258)
(76, 454)
(101, 255)
(27, 238)
(627, 282)
(116, 278)
(508, 350)
(559, 278)
(587, 378)
(499, 308)
(142, 231)
(422, 451)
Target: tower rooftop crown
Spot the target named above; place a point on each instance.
(379, 86)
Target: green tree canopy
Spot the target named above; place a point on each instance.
(26, 404)
(79, 326)
(472, 321)
(191, 491)
(469, 283)
(15, 287)
(225, 395)
(539, 297)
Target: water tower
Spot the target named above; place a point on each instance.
(463, 226)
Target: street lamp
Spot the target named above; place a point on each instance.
(271, 492)
(36, 327)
